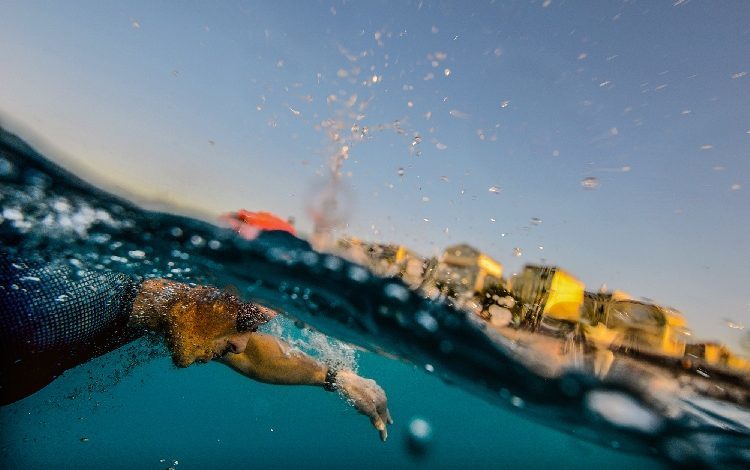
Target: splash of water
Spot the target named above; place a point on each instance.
(345, 300)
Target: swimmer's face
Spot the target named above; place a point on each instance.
(204, 326)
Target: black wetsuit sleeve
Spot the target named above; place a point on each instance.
(54, 316)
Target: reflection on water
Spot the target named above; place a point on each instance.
(600, 365)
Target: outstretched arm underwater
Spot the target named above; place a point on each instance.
(270, 360)
(191, 319)
(57, 319)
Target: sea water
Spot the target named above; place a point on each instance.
(439, 365)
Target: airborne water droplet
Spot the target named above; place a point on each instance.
(536, 221)
(495, 189)
(590, 182)
(517, 252)
(401, 172)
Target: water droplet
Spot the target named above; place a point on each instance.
(495, 189)
(214, 244)
(176, 232)
(84, 439)
(731, 324)
(622, 410)
(447, 72)
(504, 103)
(735, 187)
(706, 147)
(517, 252)
(590, 182)
(401, 172)
(441, 146)
(536, 221)
(425, 199)
(429, 368)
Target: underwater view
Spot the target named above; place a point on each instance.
(355, 234)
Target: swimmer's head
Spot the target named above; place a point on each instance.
(205, 324)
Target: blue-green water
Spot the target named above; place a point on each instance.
(207, 417)
(128, 409)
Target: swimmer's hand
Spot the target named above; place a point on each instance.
(367, 397)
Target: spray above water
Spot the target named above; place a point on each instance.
(341, 298)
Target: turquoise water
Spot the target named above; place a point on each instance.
(133, 408)
(207, 416)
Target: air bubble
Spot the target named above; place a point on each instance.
(137, 254)
(6, 167)
(396, 291)
(427, 321)
(332, 263)
(517, 402)
(419, 436)
(358, 274)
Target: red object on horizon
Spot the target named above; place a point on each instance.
(248, 223)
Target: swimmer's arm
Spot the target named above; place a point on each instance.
(270, 360)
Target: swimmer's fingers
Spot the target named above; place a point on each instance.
(380, 426)
(387, 416)
(367, 397)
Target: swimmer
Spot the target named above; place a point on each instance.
(55, 316)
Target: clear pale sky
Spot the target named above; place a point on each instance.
(220, 105)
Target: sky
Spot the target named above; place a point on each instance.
(611, 138)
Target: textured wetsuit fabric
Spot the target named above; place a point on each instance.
(54, 316)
